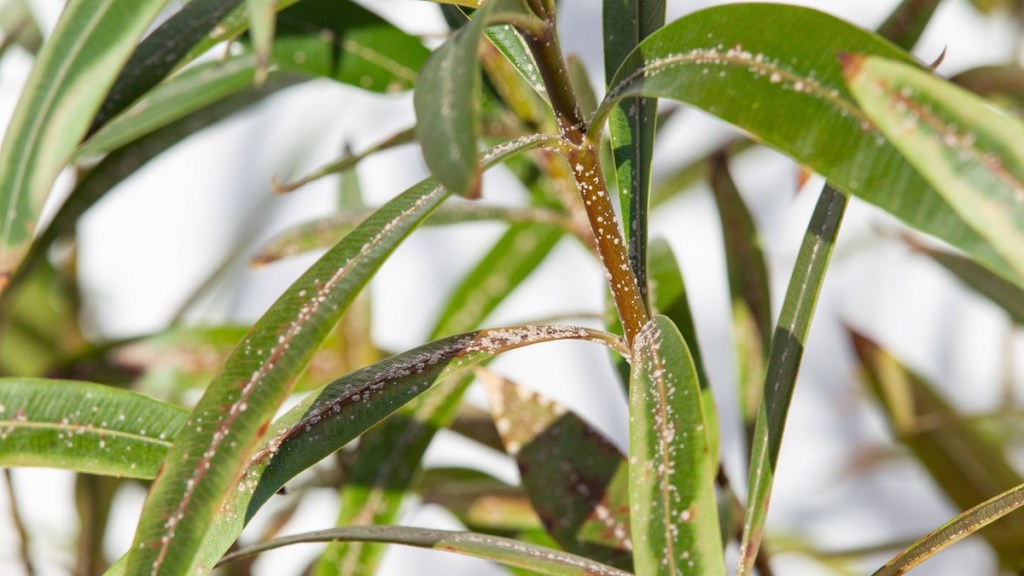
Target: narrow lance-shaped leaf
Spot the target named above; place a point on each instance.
(76, 65)
(378, 485)
(576, 478)
(964, 525)
(159, 53)
(673, 513)
(787, 90)
(787, 350)
(633, 122)
(537, 559)
(966, 148)
(84, 427)
(208, 456)
(969, 467)
(446, 101)
(748, 287)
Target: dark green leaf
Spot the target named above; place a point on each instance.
(159, 53)
(576, 478)
(907, 22)
(633, 122)
(787, 350)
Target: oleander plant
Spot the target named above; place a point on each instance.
(196, 413)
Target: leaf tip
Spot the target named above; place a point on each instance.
(850, 63)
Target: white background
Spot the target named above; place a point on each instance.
(147, 246)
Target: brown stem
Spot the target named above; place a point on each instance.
(586, 167)
(543, 44)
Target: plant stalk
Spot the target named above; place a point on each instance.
(586, 167)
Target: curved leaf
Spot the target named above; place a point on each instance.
(955, 530)
(339, 412)
(159, 53)
(506, 551)
(745, 64)
(236, 409)
(967, 149)
(787, 351)
(84, 427)
(673, 512)
(447, 103)
(632, 123)
(76, 65)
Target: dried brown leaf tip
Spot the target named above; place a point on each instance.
(850, 63)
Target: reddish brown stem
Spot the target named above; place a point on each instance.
(586, 167)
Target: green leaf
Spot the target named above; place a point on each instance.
(576, 478)
(967, 149)
(748, 289)
(787, 350)
(786, 88)
(84, 427)
(447, 101)
(206, 460)
(159, 53)
(969, 467)
(674, 516)
(76, 65)
(503, 550)
(964, 525)
(633, 122)
(184, 93)
(378, 485)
